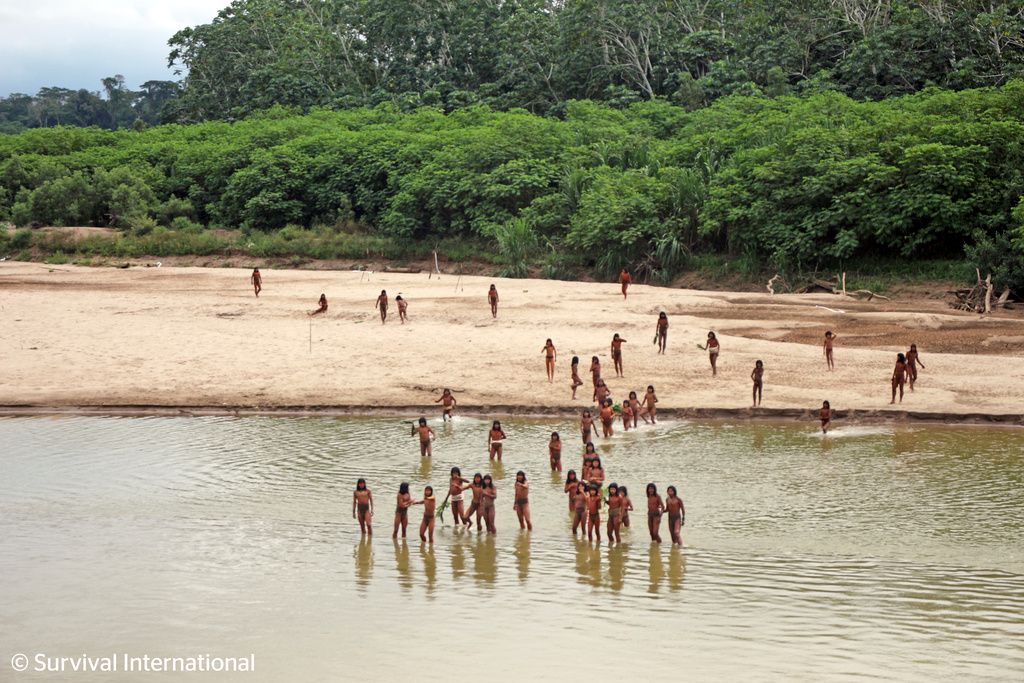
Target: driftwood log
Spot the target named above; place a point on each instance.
(978, 298)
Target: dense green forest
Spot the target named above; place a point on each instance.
(794, 182)
(117, 106)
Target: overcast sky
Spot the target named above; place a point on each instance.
(76, 43)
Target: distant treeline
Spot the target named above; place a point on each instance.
(541, 54)
(114, 108)
(794, 182)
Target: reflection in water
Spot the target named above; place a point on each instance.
(759, 432)
(485, 564)
(656, 568)
(617, 559)
(458, 556)
(588, 562)
(425, 464)
(402, 562)
(904, 441)
(676, 568)
(522, 553)
(364, 561)
(429, 565)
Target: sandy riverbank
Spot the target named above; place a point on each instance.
(196, 339)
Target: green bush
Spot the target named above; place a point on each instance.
(21, 239)
(141, 224)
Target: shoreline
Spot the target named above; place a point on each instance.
(774, 415)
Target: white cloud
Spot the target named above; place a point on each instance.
(75, 43)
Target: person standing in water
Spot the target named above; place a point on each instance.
(522, 504)
(607, 415)
(571, 484)
(492, 299)
(649, 401)
(825, 415)
(627, 505)
(488, 496)
(655, 507)
(579, 502)
(617, 343)
(495, 437)
(456, 485)
(402, 509)
(676, 515)
(382, 304)
(477, 487)
(257, 281)
(614, 513)
(586, 426)
(661, 332)
(826, 348)
(899, 377)
(758, 376)
(634, 405)
(594, 512)
(549, 359)
(429, 504)
(362, 506)
(448, 404)
(426, 436)
(912, 360)
(625, 279)
(555, 452)
(323, 306)
(575, 369)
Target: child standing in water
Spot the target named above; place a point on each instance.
(456, 486)
(825, 415)
(571, 482)
(494, 439)
(575, 369)
(713, 349)
(549, 359)
(627, 415)
(522, 504)
(403, 305)
(607, 417)
(477, 486)
(912, 360)
(555, 452)
(627, 505)
(257, 281)
(492, 299)
(655, 507)
(402, 509)
(649, 400)
(661, 332)
(596, 474)
(634, 404)
(602, 392)
(594, 512)
(362, 506)
(614, 513)
(382, 304)
(586, 426)
(429, 504)
(448, 404)
(488, 494)
(426, 435)
(826, 348)
(899, 377)
(758, 376)
(676, 515)
(617, 343)
(579, 502)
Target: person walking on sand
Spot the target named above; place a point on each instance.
(323, 306)
(617, 343)
(495, 437)
(522, 504)
(826, 348)
(595, 373)
(426, 436)
(661, 332)
(912, 360)
(549, 359)
(402, 509)
(448, 405)
(382, 304)
(655, 506)
(403, 305)
(758, 376)
(625, 280)
(362, 506)
(492, 299)
(899, 377)
(257, 281)
(575, 370)
(712, 348)
(825, 415)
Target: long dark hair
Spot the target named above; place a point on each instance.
(488, 482)
(361, 485)
(590, 448)
(456, 472)
(403, 488)
(652, 490)
(571, 477)
(478, 479)
(522, 474)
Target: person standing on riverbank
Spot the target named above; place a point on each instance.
(617, 343)
(492, 299)
(575, 370)
(549, 359)
(661, 332)
(257, 281)
(625, 279)
(758, 376)
(382, 304)
(826, 348)
(899, 377)
(912, 360)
